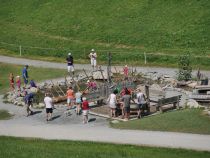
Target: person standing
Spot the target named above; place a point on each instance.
(70, 63)
(25, 75)
(126, 104)
(18, 82)
(70, 97)
(49, 106)
(93, 57)
(28, 101)
(78, 97)
(125, 72)
(85, 110)
(140, 102)
(11, 81)
(112, 101)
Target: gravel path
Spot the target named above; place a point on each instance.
(71, 127)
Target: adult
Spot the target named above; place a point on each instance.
(28, 102)
(126, 104)
(70, 63)
(49, 106)
(78, 97)
(70, 97)
(25, 75)
(93, 57)
(112, 101)
(140, 102)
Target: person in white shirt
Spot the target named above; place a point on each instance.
(93, 57)
(112, 101)
(49, 106)
(140, 101)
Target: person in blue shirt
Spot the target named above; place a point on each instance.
(28, 101)
(33, 84)
(25, 75)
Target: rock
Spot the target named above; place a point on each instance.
(98, 76)
(209, 113)
(192, 103)
(156, 87)
(192, 84)
(34, 90)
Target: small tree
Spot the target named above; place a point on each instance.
(185, 68)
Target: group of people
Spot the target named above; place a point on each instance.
(81, 103)
(123, 101)
(70, 61)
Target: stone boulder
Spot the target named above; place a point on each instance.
(192, 103)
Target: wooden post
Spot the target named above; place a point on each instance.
(109, 68)
(145, 58)
(20, 50)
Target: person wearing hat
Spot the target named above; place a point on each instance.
(25, 75)
(85, 109)
(93, 57)
(70, 63)
(140, 101)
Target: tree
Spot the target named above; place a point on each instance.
(185, 68)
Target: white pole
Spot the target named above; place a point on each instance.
(20, 51)
(145, 58)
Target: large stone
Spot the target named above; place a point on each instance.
(41, 105)
(192, 103)
(33, 90)
(192, 84)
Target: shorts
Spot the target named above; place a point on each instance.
(93, 62)
(49, 110)
(140, 106)
(85, 112)
(70, 68)
(69, 100)
(127, 109)
(25, 80)
(78, 101)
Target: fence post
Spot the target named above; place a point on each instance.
(145, 58)
(20, 50)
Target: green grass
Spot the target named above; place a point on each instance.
(37, 74)
(33, 148)
(121, 27)
(4, 115)
(187, 120)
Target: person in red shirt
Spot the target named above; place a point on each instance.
(70, 97)
(125, 72)
(11, 81)
(85, 110)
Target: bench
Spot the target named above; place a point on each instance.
(165, 101)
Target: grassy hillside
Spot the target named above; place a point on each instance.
(120, 26)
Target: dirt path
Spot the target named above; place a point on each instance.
(37, 63)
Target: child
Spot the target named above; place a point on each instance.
(125, 72)
(85, 110)
(11, 81)
(78, 96)
(18, 82)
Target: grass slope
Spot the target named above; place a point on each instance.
(122, 27)
(188, 120)
(37, 74)
(24, 148)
